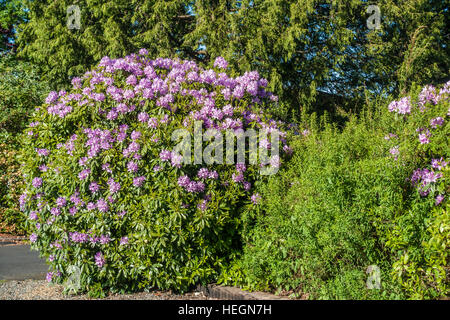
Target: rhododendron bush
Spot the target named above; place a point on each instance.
(107, 195)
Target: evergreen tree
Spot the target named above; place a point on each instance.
(12, 13)
(314, 52)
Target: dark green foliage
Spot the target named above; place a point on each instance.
(12, 13)
(108, 28)
(309, 49)
(11, 184)
(21, 90)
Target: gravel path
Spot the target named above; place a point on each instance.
(42, 290)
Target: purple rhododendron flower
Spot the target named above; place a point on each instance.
(238, 177)
(221, 63)
(84, 174)
(61, 202)
(135, 135)
(132, 166)
(55, 211)
(183, 181)
(51, 98)
(203, 205)
(213, 175)
(73, 210)
(33, 237)
(138, 181)
(240, 167)
(105, 167)
(439, 199)
(123, 240)
(152, 123)
(176, 160)
(143, 117)
(427, 95)
(203, 173)
(423, 138)
(82, 161)
(99, 260)
(113, 186)
(104, 239)
(79, 237)
(255, 198)
(49, 276)
(75, 199)
(143, 52)
(94, 187)
(394, 151)
(275, 161)
(165, 155)
(402, 106)
(422, 178)
(439, 121)
(102, 205)
(439, 163)
(37, 182)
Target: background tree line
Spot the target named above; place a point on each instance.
(318, 55)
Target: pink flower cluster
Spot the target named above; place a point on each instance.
(403, 106)
(191, 186)
(424, 179)
(428, 95)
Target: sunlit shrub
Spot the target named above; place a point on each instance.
(21, 89)
(372, 194)
(11, 185)
(107, 195)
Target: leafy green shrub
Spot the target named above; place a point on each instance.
(20, 91)
(11, 185)
(353, 199)
(419, 237)
(107, 197)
